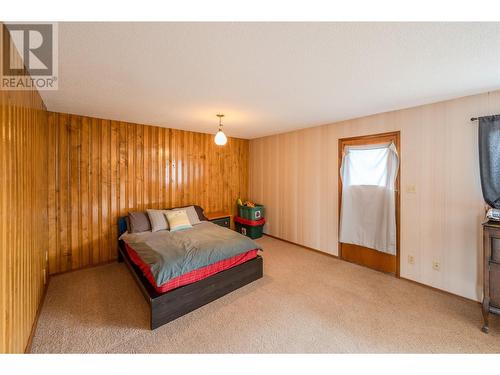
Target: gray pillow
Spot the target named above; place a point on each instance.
(199, 211)
(139, 222)
(158, 220)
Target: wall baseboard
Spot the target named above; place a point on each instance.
(27, 349)
(305, 247)
(86, 267)
(400, 277)
(440, 290)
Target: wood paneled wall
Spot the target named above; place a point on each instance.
(295, 175)
(101, 169)
(23, 214)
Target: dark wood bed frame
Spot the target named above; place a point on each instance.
(165, 307)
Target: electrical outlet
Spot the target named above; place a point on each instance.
(435, 265)
(411, 259)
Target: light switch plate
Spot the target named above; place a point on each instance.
(411, 189)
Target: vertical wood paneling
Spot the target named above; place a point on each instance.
(100, 169)
(105, 193)
(131, 162)
(74, 180)
(63, 205)
(24, 232)
(122, 169)
(52, 194)
(94, 191)
(84, 192)
(114, 186)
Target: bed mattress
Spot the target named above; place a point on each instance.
(172, 259)
(192, 276)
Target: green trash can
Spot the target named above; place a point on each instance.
(249, 228)
(251, 213)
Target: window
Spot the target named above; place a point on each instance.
(366, 165)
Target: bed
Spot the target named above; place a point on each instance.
(182, 271)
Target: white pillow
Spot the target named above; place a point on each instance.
(191, 213)
(177, 220)
(158, 220)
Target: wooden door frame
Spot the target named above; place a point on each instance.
(397, 135)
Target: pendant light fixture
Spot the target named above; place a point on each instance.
(220, 138)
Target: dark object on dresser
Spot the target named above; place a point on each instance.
(168, 306)
(491, 283)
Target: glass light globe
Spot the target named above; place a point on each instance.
(220, 138)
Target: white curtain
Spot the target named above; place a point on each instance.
(368, 207)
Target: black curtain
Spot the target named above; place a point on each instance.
(489, 159)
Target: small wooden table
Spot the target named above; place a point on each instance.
(220, 218)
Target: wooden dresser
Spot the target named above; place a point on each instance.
(491, 286)
(220, 218)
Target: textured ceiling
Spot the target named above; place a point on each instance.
(267, 77)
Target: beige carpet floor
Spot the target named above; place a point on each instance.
(306, 302)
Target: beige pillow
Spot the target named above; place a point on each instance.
(191, 213)
(178, 220)
(158, 220)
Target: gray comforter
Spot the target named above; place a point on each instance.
(172, 254)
